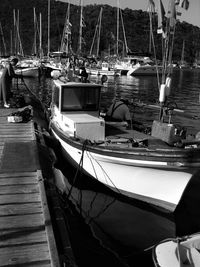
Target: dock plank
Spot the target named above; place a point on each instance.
(35, 253)
(18, 189)
(19, 198)
(5, 129)
(19, 156)
(18, 180)
(18, 174)
(21, 221)
(22, 236)
(20, 209)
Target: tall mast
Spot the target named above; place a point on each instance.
(99, 33)
(35, 32)
(11, 43)
(66, 32)
(40, 35)
(96, 34)
(18, 38)
(124, 33)
(18, 44)
(48, 44)
(69, 30)
(117, 50)
(15, 33)
(80, 27)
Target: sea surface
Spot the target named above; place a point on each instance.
(102, 226)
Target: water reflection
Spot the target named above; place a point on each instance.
(123, 226)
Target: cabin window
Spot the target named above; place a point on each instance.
(80, 99)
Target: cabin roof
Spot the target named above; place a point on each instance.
(75, 84)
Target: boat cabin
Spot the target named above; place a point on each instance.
(76, 97)
(75, 108)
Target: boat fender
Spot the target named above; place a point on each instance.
(55, 74)
(162, 93)
(168, 86)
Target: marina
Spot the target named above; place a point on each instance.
(99, 207)
(99, 138)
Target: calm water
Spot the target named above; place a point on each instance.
(108, 223)
(185, 92)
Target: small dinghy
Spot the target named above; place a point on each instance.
(178, 252)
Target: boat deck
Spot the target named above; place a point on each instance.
(26, 233)
(116, 132)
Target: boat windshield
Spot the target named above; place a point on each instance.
(80, 99)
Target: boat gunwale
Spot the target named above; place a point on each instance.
(182, 156)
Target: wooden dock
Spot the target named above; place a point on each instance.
(26, 233)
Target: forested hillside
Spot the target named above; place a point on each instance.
(136, 25)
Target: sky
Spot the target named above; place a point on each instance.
(192, 15)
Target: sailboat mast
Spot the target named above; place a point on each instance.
(68, 13)
(18, 44)
(80, 27)
(150, 31)
(99, 33)
(11, 43)
(35, 31)
(66, 32)
(48, 44)
(40, 35)
(124, 33)
(117, 50)
(15, 33)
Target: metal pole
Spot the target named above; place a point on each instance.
(48, 48)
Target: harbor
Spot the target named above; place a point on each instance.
(99, 134)
(85, 209)
(98, 207)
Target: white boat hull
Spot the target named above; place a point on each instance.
(28, 72)
(97, 72)
(178, 252)
(160, 180)
(144, 70)
(154, 182)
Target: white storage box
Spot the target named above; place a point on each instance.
(85, 126)
(15, 119)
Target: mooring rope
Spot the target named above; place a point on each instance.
(80, 167)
